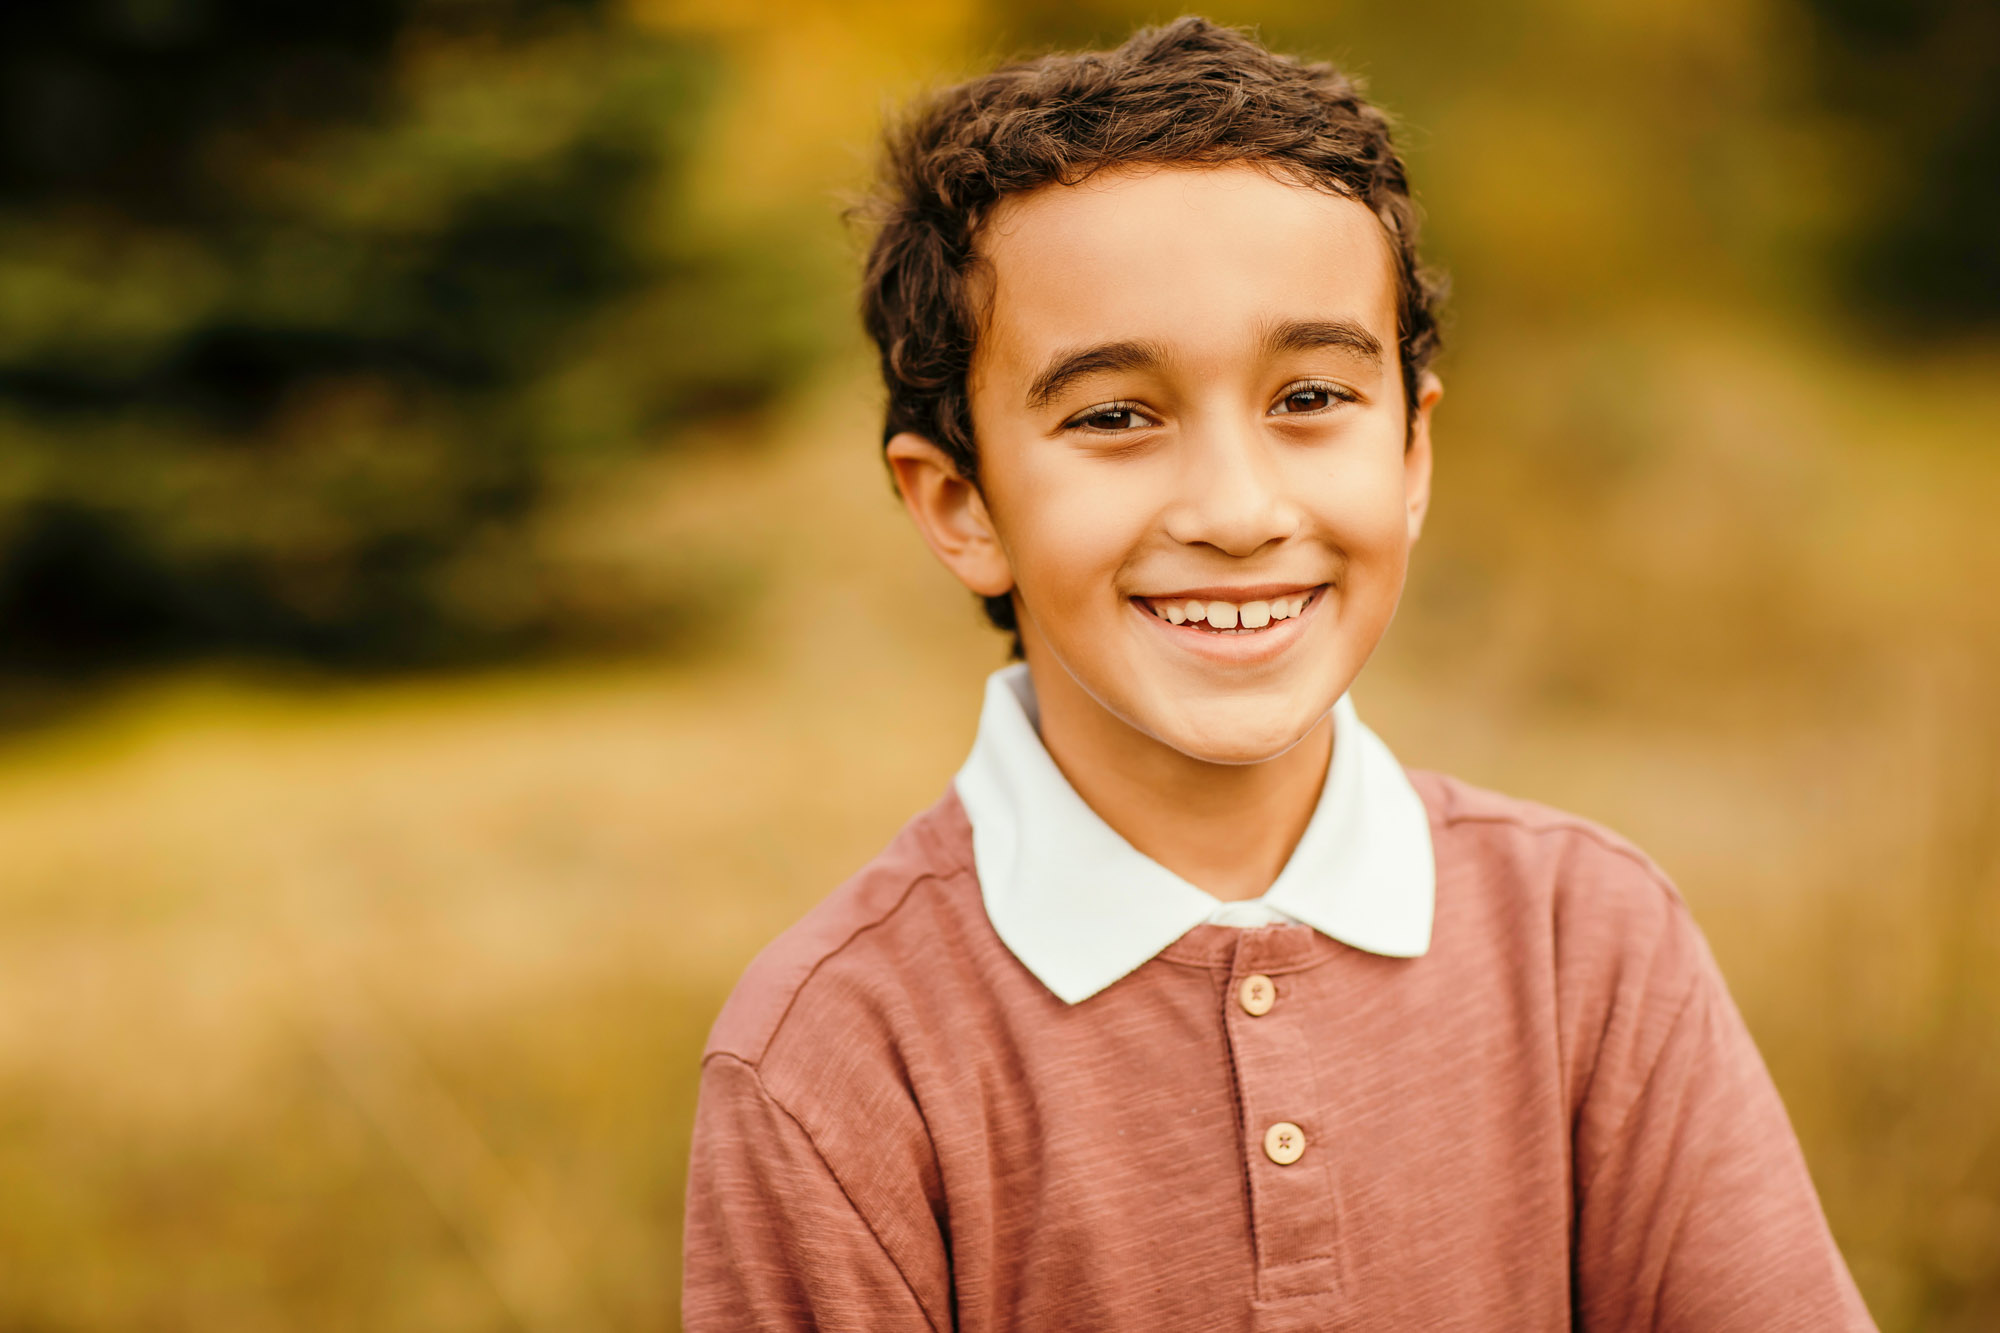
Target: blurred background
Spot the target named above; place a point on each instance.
(452, 612)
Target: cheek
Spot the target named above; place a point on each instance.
(1067, 528)
(1363, 510)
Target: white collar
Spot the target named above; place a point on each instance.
(1081, 907)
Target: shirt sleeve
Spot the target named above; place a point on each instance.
(1695, 1212)
(773, 1241)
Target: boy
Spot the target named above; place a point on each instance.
(1187, 1007)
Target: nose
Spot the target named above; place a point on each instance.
(1232, 493)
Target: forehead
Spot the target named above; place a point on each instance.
(1200, 260)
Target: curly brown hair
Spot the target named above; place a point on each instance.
(1192, 93)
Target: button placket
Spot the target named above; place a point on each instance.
(1286, 1156)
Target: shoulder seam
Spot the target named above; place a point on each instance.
(1583, 829)
(791, 1001)
(867, 1221)
(956, 859)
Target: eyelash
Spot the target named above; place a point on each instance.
(1122, 407)
(1106, 410)
(1332, 391)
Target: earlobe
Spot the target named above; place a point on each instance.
(951, 515)
(1417, 454)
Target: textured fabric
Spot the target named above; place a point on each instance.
(1554, 1118)
(1081, 907)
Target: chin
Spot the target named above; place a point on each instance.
(1228, 737)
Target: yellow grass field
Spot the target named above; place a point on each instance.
(378, 1007)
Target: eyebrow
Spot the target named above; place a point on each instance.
(1067, 367)
(1305, 335)
(1295, 335)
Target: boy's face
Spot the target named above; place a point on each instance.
(1187, 399)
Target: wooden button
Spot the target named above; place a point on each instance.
(1256, 995)
(1284, 1143)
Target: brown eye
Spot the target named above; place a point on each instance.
(1113, 419)
(1311, 398)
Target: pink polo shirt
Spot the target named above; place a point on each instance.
(1550, 1117)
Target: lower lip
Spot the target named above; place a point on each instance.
(1241, 648)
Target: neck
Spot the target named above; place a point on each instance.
(1228, 829)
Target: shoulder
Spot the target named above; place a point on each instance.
(835, 1027)
(1507, 829)
(843, 974)
(1537, 859)
(1576, 902)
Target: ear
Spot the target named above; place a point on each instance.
(951, 514)
(1417, 454)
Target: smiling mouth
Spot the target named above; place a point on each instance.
(1210, 616)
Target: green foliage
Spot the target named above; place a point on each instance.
(1919, 83)
(312, 313)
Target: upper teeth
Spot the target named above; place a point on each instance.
(1228, 615)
